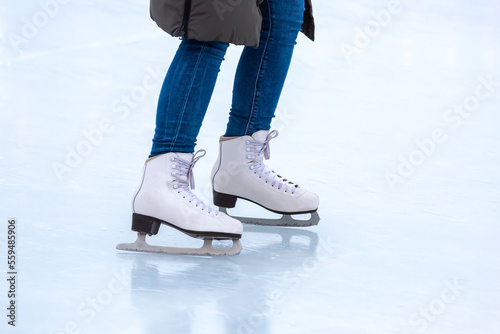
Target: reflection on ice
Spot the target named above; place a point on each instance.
(379, 255)
(278, 267)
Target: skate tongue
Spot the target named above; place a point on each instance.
(260, 135)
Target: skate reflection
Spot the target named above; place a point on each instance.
(241, 294)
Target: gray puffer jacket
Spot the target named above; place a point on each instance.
(231, 21)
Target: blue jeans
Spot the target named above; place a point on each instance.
(259, 80)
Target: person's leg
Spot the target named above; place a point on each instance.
(261, 72)
(185, 95)
(240, 170)
(164, 196)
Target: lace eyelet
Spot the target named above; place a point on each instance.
(247, 142)
(248, 149)
(172, 159)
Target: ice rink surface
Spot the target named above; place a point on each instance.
(391, 116)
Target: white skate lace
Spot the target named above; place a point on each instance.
(261, 151)
(185, 169)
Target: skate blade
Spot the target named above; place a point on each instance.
(140, 245)
(286, 220)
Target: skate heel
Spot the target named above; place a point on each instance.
(145, 224)
(224, 200)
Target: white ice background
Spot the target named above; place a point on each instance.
(360, 107)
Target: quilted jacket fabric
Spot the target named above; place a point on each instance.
(231, 21)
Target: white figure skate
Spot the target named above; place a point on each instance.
(165, 197)
(240, 172)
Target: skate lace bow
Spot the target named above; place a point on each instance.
(190, 174)
(266, 149)
(185, 168)
(262, 150)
